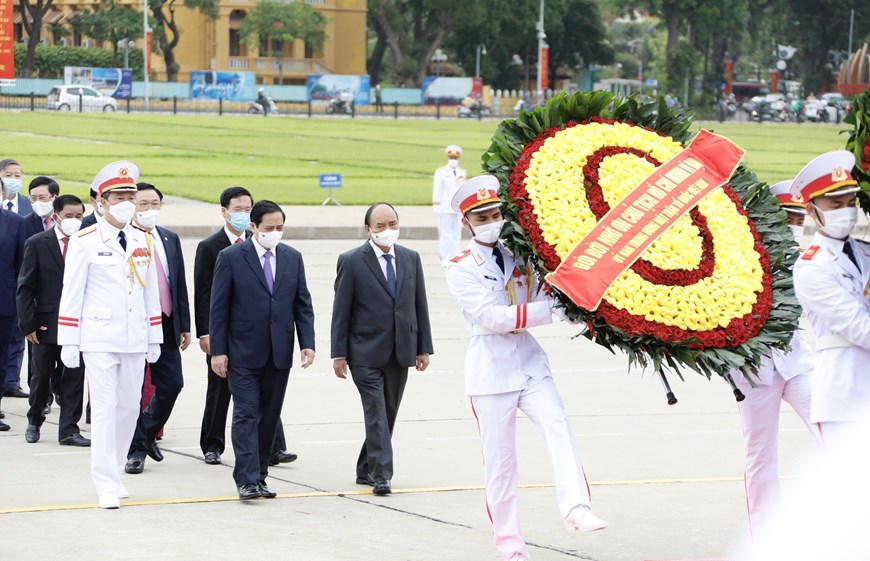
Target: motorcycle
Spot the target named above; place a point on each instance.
(256, 108)
(473, 110)
(339, 106)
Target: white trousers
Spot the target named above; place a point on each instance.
(115, 385)
(449, 235)
(759, 413)
(496, 417)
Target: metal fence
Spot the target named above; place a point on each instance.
(178, 105)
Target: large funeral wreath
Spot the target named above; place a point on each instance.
(714, 293)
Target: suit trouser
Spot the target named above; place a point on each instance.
(7, 323)
(258, 395)
(115, 384)
(168, 380)
(449, 234)
(759, 413)
(496, 418)
(380, 391)
(71, 390)
(214, 417)
(15, 359)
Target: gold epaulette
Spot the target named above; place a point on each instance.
(90, 229)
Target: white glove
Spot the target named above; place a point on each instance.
(69, 356)
(152, 355)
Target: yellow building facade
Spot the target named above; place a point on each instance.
(207, 44)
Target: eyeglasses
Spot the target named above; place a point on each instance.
(145, 205)
(41, 198)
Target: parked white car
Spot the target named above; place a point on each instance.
(68, 98)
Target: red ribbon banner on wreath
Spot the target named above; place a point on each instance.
(639, 219)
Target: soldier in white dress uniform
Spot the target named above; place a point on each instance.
(831, 283)
(506, 369)
(110, 313)
(444, 185)
(781, 377)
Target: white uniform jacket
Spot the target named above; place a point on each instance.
(444, 185)
(502, 355)
(110, 300)
(833, 293)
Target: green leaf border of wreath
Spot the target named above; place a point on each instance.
(859, 118)
(763, 208)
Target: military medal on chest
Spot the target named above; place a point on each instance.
(139, 261)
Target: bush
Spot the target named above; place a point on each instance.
(50, 60)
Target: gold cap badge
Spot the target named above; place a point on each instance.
(839, 174)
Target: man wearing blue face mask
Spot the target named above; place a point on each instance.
(14, 201)
(831, 282)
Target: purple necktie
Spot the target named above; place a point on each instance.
(267, 269)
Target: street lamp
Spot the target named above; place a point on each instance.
(481, 50)
(126, 44)
(439, 57)
(519, 61)
(634, 48)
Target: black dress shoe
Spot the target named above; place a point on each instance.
(15, 392)
(2, 415)
(135, 465)
(46, 410)
(282, 457)
(75, 440)
(154, 452)
(212, 458)
(266, 492)
(382, 488)
(249, 491)
(364, 480)
(3, 426)
(31, 434)
(56, 399)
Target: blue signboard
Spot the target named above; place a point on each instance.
(330, 180)
(232, 86)
(116, 82)
(328, 86)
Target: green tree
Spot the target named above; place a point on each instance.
(31, 18)
(109, 22)
(168, 33)
(270, 21)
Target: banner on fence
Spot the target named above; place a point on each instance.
(115, 82)
(449, 91)
(231, 86)
(7, 44)
(323, 87)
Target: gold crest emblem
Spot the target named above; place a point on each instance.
(797, 199)
(123, 172)
(839, 174)
(482, 194)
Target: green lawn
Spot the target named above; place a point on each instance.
(281, 158)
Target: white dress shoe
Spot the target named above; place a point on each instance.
(123, 493)
(109, 500)
(581, 519)
(519, 557)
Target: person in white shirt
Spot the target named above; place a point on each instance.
(447, 180)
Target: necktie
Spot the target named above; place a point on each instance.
(267, 270)
(391, 274)
(65, 246)
(9, 206)
(847, 249)
(238, 240)
(48, 223)
(122, 239)
(163, 286)
(499, 260)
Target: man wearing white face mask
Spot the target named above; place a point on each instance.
(97, 211)
(831, 282)
(380, 328)
(40, 284)
(506, 369)
(781, 376)
(43, 191)
(166, 374)
(110, 315)
(447, 180)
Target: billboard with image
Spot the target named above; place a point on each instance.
(449, 91)
(231, 86)
(115, 82)
(323, 87)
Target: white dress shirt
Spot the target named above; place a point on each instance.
(261, 252)
(232, 237)
(14, 201)
(381, 261)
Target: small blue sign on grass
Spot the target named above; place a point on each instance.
(330, 180)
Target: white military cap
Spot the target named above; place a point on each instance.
(828, 175)
(476, 195)
(117, 176)
(453, 150)
(788, 202)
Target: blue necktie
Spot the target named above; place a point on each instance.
(122, 239)
(391, 274)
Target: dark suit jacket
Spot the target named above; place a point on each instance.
(11, 255)
(368, 324)
(33, 225)
(177, 282)
(24, 206)
(203, 272)
(89, 220)
(246, 322)
(40, 283)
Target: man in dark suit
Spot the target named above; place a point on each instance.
(11, 256)
(91, 219)
(40, 284)
(259, 300)
(380, 328)
(13, 201)
(166, 375)
(236, 203)
(43, 191)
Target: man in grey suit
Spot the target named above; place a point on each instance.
(380, 328)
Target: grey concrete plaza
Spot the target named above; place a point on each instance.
(668, 479)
